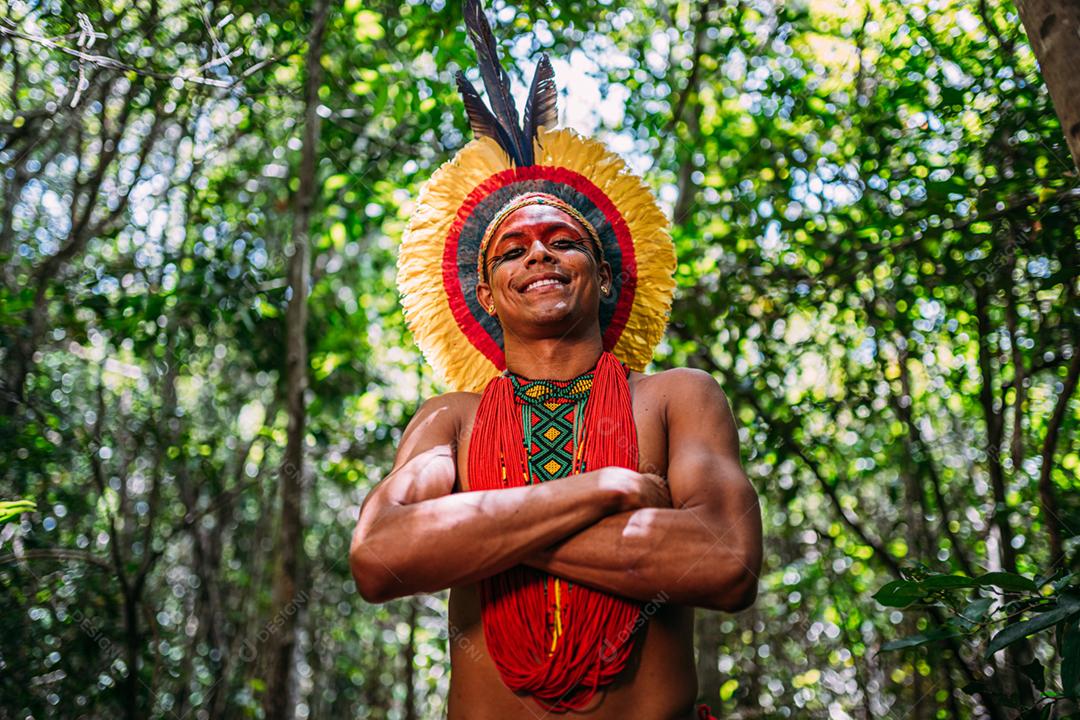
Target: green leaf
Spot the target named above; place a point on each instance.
(1064, 582)
(920, 639)
(1036, 673)
(899, 593)
(11, 508)
(1068, 606)
(335, 182)
(977, 610)
(1006, 581)
(940, 582)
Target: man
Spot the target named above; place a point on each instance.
(577, 509)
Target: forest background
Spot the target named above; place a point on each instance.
(205, 366)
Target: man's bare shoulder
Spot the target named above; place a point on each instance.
(438, 421)
(676, 381)
(453, 400)
(454, 407)
(678, 392)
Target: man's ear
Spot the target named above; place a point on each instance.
(604, 271)
(483, 294)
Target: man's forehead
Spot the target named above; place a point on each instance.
(536, 218)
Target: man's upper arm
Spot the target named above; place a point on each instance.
(425, 463)
(424, 468)
(705, 474)
(434, 425)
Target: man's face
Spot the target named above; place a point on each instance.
(542, 272)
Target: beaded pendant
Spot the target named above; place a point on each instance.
(551, 415)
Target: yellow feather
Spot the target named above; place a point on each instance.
(423, 297)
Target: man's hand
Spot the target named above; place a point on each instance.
(638, 490)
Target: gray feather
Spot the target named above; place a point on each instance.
(496, 81)
(540, 109)
(481, 120)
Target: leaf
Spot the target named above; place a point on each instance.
(1035, 672)
(940, 582)
(899, 593)
(1068, 606)
(1064, 582)
(920, 639)
(977, 610)
(1006, 581)
(11, 508)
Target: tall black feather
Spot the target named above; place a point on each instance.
(540, 108)
(482, 122)
(496, 81)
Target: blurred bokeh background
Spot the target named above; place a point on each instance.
(876, 219)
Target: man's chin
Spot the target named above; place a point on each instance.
(555, 321)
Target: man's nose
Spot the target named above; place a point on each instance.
(538, 252)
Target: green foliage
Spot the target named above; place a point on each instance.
(976, 606)
(14, 508)
(878, 232)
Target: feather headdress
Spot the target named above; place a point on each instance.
(437, 264)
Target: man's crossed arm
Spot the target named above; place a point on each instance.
(703, 551)
(414, 535)
(613, 529)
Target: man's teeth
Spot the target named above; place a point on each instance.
(541, 283)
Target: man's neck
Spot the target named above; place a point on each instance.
(554, 358)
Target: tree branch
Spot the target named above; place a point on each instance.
(60, 554)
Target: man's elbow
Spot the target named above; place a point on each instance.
(744, 594)
(735, 593)
(372, 581)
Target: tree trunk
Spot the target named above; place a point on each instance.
(132, 646)
(994, 430)
(287, 571)
(1053, 29)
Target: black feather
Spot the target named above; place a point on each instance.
(496, 81)
(482, 122)
(540, 108)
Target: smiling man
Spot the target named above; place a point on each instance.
(578, 509)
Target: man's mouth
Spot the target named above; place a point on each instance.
(542, 283)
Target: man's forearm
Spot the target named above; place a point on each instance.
(654, 552)
(469, 536)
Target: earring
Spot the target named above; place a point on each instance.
(605, 289)
(491, 309)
